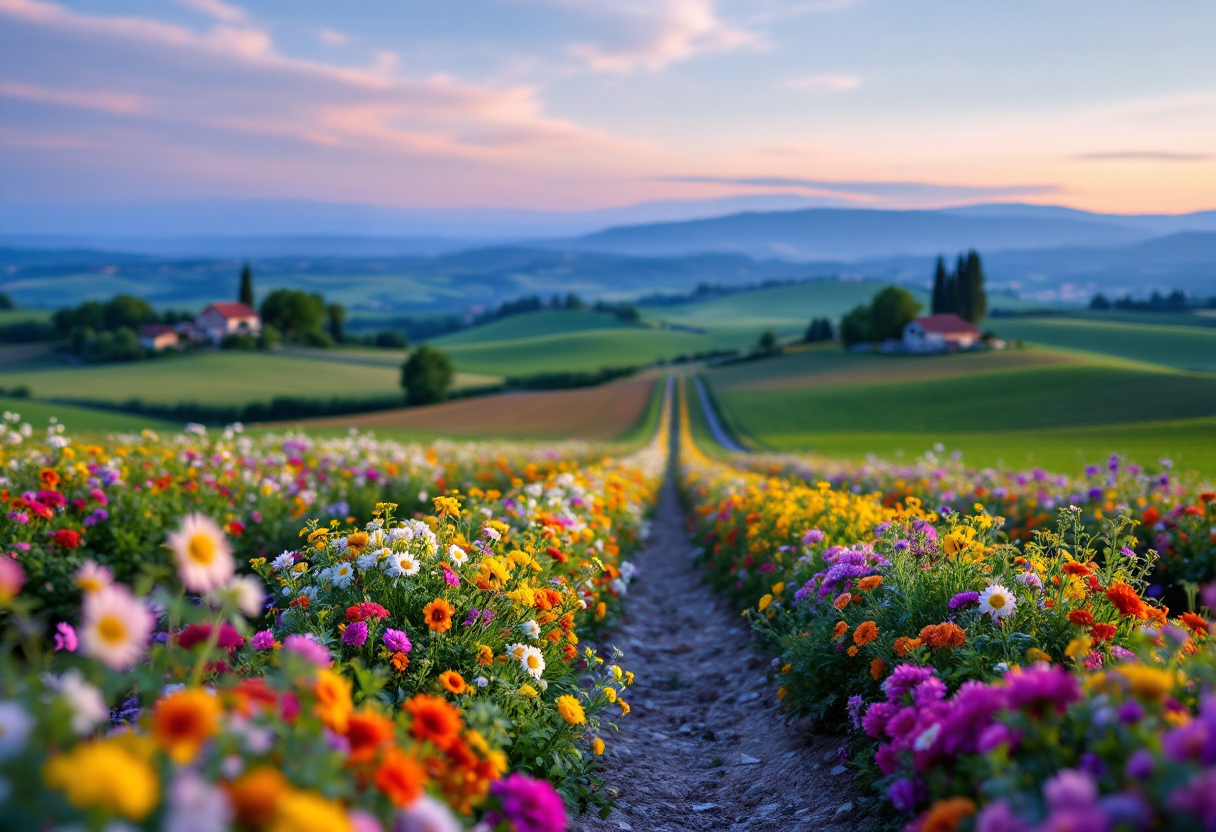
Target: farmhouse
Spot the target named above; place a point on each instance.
(219, 320)
(935, 333)
(158, 337)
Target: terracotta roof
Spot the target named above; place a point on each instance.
(945, 324)
(231, 309)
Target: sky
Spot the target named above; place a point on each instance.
(1103, 105)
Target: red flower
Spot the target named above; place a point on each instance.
(1082, 618)
(364, 611)
(66, 538)
(1103, 632)
(1150, 516)
(557, 554)
(199, 633)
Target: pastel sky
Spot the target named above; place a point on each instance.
(572, 104)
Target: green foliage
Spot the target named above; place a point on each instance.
(245, 295)
(855, 326)
(269, 337)
(768, 344)
(892, 309)
(390, 339)
(6, 302)
(120, 311)
(819, 330)
(337, 322)
(294, 312)
(427, 376)
(962, 291)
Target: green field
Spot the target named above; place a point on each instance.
(79, 419)
(531, 325)
(1019, 407)
(219, 378)
(1183, 347)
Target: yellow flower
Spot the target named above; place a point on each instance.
(527, 690)
(309, 812)
(1034, 654)
(624, 707)
(570, 710)
(104, 776)
(598, 746)
(485, 654)
(764, 602)
(610, 694)
(778, 587)
(628, 678)
(1078, 647)
(1147, 682)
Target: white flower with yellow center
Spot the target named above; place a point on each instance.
(86, 703)
(204, 558)
(92, 577)
(114, 627)
(532, 661)
(530, 629)
(458, 555)
(998, 601)
(402, 563)
(342, 574)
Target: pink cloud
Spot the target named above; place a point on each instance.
(104, 100)
(217, 9)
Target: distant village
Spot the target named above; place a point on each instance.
(215, 323)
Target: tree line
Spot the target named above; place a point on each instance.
(960, 292)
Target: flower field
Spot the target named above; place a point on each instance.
(989, 675)
(277, 633)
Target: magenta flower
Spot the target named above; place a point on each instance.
(262, 640)
(904, 678)
(811, 537)
(451, 577)
(309, 649)
(529, 805)
(1038, 688)
(355, 634)
(397, 641)
(65, 637)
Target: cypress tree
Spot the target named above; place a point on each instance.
(978, 300)
(246, 294)
(959, 289)
(940, 287)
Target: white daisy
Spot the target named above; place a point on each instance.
(458, 555)
(86, 703)
(248, 594)
(531, 629)
(369, 559)
(342, 574)
(115, 626)
(997, 601)
(204, 558)
(531, 660)
(283, 561)
(401, 563)
(401, 533)
(92, 577)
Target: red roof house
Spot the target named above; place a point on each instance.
(939, 332)
(219, 320)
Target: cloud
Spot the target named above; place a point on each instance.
(881, 191)
(231, 78)
(217, 9)
(332, 37)
(103, 100)
(657, 33)
(1144, 156)
(832, 82)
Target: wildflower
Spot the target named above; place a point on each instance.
(204, 558)
(812, 537)
(108, 776)
(531, 660)
(434, 720)
(904, 678)
(842, 600)
(1147, 683)
(342, 574)
(366, 611)
(399, 661)
(115, 627)
(438, 615)
(998, 602)
(426, 814)
(1078, 647)
(869, 582)
(878, 669)
(247, 595)
(1195, 623)
(528, 690)
(367, 732)
(946, 815)
(298, 811)
(529, 805)
(963, 599)
(307, 647)
(1082, 618)
(355, 634)
(262, 640)
(66, 539)
(15, 728)
(402, 563)
(397, 641)
(86, 703)
(65, 637)
(457, 555)
(12, 578)
(183, 721)
(1038, 688)
(598, 746)
(196, 805)
(284, 561)
(904, 645)
(840, 630)
(569, 709)
(453, 682)
(530, 629)
(333, 702)
(866, 632)
(943, 635)
(485, 655)
(1127, 601)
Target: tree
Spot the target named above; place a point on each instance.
(890, 311)
(426, 376)
(819, 330)
(128, 311)
(943, 290)
(855, 325)
(1099, 302)
(6, 302)
(246, 293)
(769, 343)
(294, 312)
(973, 302)
(337, 319)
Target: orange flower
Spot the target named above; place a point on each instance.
(255, 795)
(1195, 623)
(334, 707)
(367, 731)
(438, 615)
(49, 479)
(945, 634)
(434, 720)
(183, 721)
(945, 815)
(1127, 600)
(878, 669)
(1081, 570)
(905, 645)
(841, 629)
(1151, 516)
(452, 682)
(866, 632)
(399, 661)
(357, 541)
(1082, 618)
(1103, 632)
(569, 652)
(485, 655)
(400, 778)
(852, 651)
(869, 582)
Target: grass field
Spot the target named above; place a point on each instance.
(608, 412)
(79, 419)
(1021, 407)
(214, 378)
(531, 325)
(1184, 347)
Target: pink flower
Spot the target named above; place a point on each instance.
(355, 634)
(65, 637)
(397, 641)
(262, 640)
(12, 578)
(308, 648)
(529, 805)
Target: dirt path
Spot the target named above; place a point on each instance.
(706, 746)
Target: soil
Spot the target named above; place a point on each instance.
(706, 745)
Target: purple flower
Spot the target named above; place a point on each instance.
(1198, 798)
(811, 537)
(529, 805)
(1037, 688)
(1070, 789)
(309, 648)
(887, 759)
(1127, 811)
(1130, 712)
(1186, 742)
(971, 712)
(472, 617)
(877, 716)
(65, 637)
(398, 641)
(1140, 764)
(929, 691)
(964, 599)
(904, 678)
(901, 545)
(262, 640)
(998, 817)
(996, 735)
(854, 708)
(905, 794)
(355, 634)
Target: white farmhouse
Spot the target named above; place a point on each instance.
(937, 333)
(219, 320)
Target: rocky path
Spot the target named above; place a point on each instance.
(706, 746)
